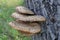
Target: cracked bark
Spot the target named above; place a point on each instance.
(50, 9)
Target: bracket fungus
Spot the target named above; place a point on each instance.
(29, 28)
(32, 18)
(26, 24)
(23, 10)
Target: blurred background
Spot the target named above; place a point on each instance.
(7, 7)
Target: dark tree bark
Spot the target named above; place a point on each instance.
(50, 9)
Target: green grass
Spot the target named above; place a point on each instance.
(7, 7)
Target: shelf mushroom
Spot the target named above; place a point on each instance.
(26, 24)
(24, 10)
(31, 28)
(32, 18)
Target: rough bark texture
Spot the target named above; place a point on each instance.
(50, 9)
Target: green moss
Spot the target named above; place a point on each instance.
(7, 7)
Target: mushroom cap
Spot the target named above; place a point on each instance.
(26, 27)
(23, 10)
(28, 18)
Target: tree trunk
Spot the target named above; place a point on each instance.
(50, 9)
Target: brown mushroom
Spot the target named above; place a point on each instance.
(31, 28)
(25, 33)
(26, 23)
(28, 18)
(23, 10)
